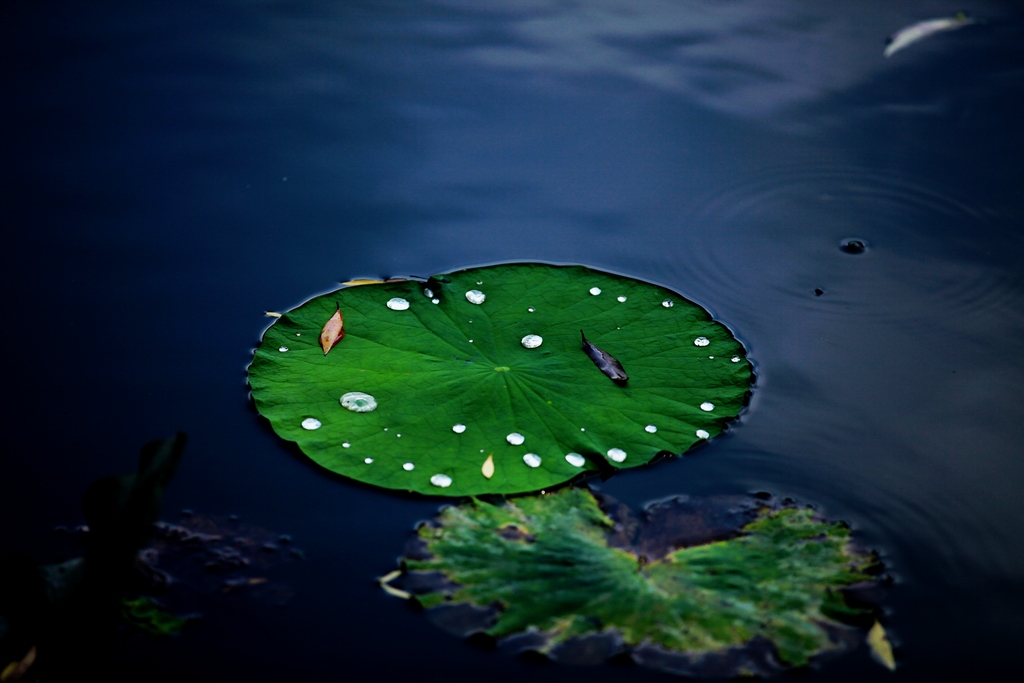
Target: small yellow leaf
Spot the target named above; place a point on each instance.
(881, 649)
(488, 468)
(272, 314)
(364, 281)
(15, 670)
(389, 589)
(334, 330)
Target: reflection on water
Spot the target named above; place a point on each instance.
(721, 149)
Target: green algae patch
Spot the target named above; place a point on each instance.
(718, 587)
(430, 378)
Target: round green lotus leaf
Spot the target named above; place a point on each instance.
(478, 381)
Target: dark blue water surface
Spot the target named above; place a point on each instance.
(173, 170)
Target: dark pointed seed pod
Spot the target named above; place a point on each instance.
(605, 361)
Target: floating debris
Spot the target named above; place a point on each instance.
(359, 402)
(881, 649)
(532, 341)
(701, 341)
(852, 246)
(475, 296)
(398, 304)
(441, 480)
(515, 438)
(311, 423)
(487, 469)
(911, 34)
(459, 428)
(617, 454)
(604, 361)
(575, 459)
(332, 332)
(532, 459)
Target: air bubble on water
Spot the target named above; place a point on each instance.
(707, 406)
(703, 434)
(398, 304)
(515, 438)
(475, 296)
(621, 299)
(595, 290)
(408, 467)
(368, 460)
(532, 459)
(531, 309)
(311, 423)
(358, 402)
(532, 341)
(459, 428)
(435, 301)
(701, 341)
(428, 292)
(441, 480)
(617, 454)
(346, 444)
(283, 349)
(650, 429)
(735, 359)
(668, 303)
(575, 459)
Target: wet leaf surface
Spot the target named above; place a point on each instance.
(452, 381)
(721, 586)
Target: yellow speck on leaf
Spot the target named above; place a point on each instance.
(881, 649)
(488, 468)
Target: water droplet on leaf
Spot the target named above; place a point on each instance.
(441, 480)
(707, 406)
(621, 299)
(459, 428)
(532, 341)
(668, 303)
(398, 304)
(428, 292)
(701, 341)
(532, 459)
(735, 359)
(515, 438)
(595, 290)
(359, 402)
(435, 301)
(345, 444)
(575, 459)
(650, 429)
(703, 434)
(617, 454)
(283, 349)
(368, 460)
(311, 423)
(475, 296)
(408, 467)
(531, 309)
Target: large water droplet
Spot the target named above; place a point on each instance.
(650, 429)
(435, 301)
(668, 303)
(735, 359)
(532, 341)
(398, 304)
(701, 341)
(408, 467)
(621, 299)
(531, 309)
(617, 454)
(703, 434)
(707, 406)
(459, 428)
(311, 423)
(532, 459)
(283, 349)
(595, 290)
(515, 438)
(345, 444)
(441, 480)
(428, 292)
(475, 296)
(575, 459)
(368, 460)
(359, 402)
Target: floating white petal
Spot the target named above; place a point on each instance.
(311, 423)
(532, 459)
(441, 480)
(398, 304)
(475, 296)
(515, 438)
(707, 406)
(575, 459)
(532, 341)
(359, 402)
(617, 454)
(621, 299)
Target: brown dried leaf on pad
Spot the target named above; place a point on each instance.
(333, 331)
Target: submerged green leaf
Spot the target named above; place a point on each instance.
(146, 614)
(746, 593)
(436, 376)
